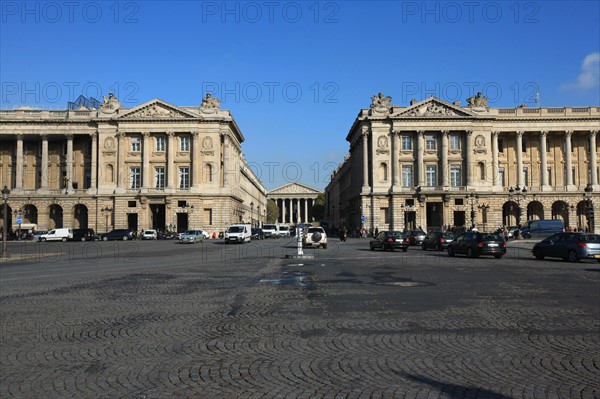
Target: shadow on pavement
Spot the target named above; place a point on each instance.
(456, 391)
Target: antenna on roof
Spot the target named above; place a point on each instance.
(537, 95)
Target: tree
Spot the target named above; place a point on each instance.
(318, 208)
(272, 211)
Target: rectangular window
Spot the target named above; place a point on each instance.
(407, 176)
(184, 142)
(501, 175)
(131, 204)
(500, 144)
(574, 176)
(159, 177)
(455, 176)
(526, 176)
(550, 176)
(454, 141)
(208, 216)
(430, 142)
(524, 144)
(135, 177)
(406, 142)
(184, 177)
(459, 201)
(431, 175)
(384, 215)
(160, 143)
(547, 144)
(135, 144)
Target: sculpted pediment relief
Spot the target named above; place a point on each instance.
(157, 110)
(294, 188)
(433, 107)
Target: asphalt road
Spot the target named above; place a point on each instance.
(163, 320)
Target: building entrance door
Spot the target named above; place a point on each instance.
(435, 213)
(158, 216)
(459, 219)
(182, 222)
(132, 221)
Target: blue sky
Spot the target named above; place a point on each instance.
(296, 74)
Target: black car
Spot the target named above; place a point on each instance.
(438, 240)
(83, 235)
(390, 240)
(257, 234)
(474, 244)
(416, 237)
(118, 234)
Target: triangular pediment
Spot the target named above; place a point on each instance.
(157, 109)
(434, 108)
(294, 188)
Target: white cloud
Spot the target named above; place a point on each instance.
(589, 76)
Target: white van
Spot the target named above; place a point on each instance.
(283, 230)
(238, 233)
(57, 235)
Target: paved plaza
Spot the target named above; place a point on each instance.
(164, 320)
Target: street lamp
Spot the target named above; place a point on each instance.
(517, 194)
(106, 212)
(589, 209)
(5, 195)
(472, 199)
(404, 209)
(252, 214)
(484, 209)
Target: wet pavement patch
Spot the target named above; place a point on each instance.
(296, 278)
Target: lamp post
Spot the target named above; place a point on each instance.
(517, 194)
(252, 214)
(472, 199)
(589, 209)
(106, 212)
(484, 209)
(5, 195)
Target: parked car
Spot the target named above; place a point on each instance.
(83, 235)
(569, 246)
(438, 240)
(390, 240)
(283, 230)
(511, 231)
(257, 234)
(117, 234)
(238, 233)
(150, 234)
(474, 244)
(541, 228)
(62, 234)
(36, 236)
(314, 237)
(416, 237)
(191, 237)
(270, 231)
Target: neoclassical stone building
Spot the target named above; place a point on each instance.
(295, 202)
(434, 164)
(156, 165)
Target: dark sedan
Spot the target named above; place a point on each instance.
(390, 240)
(118, 234)
(438, 240)
(569, 246)
(416, 237)
(257, 234)
(474, 244)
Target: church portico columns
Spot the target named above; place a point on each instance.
(569, 161)
(544, 161)
(593, 161)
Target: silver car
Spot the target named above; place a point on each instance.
(569, 246)
(191, 237)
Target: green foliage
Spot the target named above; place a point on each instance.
(272, 212)
(318, 208)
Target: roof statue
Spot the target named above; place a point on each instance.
(380, 104)
(210, 104)
(478, 101)
(110, 105)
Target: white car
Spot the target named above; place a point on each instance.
(283, 230)
(314, 237)
(150, 235)
(191, 237)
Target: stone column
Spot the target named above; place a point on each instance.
(519, 138)
(306, 210)
(196, 162)
(469, 156)
(171, 167)
(495, 164)
(395, 166)
(93, 162)
(146, 172)
(543, 160)
(283, 211)
(69, 163)
(365, 149)
(593, 160)
(19, 165)
(568, 159)
(44, 168)
(444, 167)
(420, 148)
(122, 151)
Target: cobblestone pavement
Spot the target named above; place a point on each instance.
(161, 320)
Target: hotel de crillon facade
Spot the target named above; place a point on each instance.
(434, 164)
(156, 165)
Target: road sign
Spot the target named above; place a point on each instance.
(19, 220)
(363, 218)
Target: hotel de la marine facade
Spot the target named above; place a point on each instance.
(433, 163)
(156, 165)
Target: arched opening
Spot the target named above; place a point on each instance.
(582, 219)
(109, 175)
(56, 216)
(535, 210)
(383, 171)
(30, 214)
(560, 211)
(208, 173)
(8, 219)
(481, 167)
(510, 213)
(80, 216)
